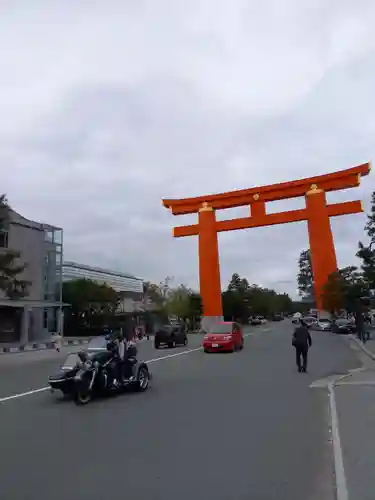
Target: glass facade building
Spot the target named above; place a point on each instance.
(121, 282)
(52, 274)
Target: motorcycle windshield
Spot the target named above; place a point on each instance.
(97, 344)
(71, 362)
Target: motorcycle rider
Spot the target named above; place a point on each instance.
(115, 344)
(121, 346)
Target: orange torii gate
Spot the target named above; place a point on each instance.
(317, 214)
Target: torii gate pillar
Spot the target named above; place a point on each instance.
(209, 267)
(322, 247)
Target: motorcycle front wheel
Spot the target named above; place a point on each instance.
(143, 378)
(82, 396)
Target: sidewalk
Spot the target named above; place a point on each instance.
(41, 346)
(8, 348)
(355, 402)
(368, 347)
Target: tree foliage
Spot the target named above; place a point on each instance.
(178, 302)
(92, 304)
(88, 295)
(153, 294)
(305, 278)
(349, 288)
(167, 301)
(241, 300)
(344, 290)
(367, 252)
(10, 265)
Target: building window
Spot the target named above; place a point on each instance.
(3, 239)
(48, 236)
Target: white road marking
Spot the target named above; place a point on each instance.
(154, 360)
(340, 477)
(173, 355)
(15, 396)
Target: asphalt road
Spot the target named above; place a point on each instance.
(212, 426)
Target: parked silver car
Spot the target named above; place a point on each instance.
(323, 324)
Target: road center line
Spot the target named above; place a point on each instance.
(15, 396)
(149, 361)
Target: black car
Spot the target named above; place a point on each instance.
(277, 317)
(96, 364)
(170, 336)
(343, 327)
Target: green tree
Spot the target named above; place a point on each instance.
(242, 300)
(153, 294)
(333, 294)
(178, 303)
(305, 277)
(10, 265)
(235, 299)
(238, 284)
(195, 308)
(91, 304)
(234, 306)
(344, 290)
(4, 213)
(299, 306)
(367, 252)
(10, 268)
(157, 294)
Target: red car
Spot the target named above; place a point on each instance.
(224, 336)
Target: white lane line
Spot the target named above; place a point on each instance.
(35, 391)
(340, 477)
(154, 360)
(15, 396)
(173, 355)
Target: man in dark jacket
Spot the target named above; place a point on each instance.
(301, 341)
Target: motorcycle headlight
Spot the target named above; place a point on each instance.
(88, 364)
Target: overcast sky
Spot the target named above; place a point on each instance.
(109, 106)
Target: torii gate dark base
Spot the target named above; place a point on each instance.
(317, 214)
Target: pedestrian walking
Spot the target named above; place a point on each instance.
(57, 341)
(360, 326)
(301, 341)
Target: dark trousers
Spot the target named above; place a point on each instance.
(127, 368)
(119, 370)
(302, 354)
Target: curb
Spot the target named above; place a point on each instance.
(41, 346)
(363, 348)
(341, 482)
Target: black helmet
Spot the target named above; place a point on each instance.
(111, 345)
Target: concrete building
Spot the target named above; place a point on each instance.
(130, 287)
(38, 315)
